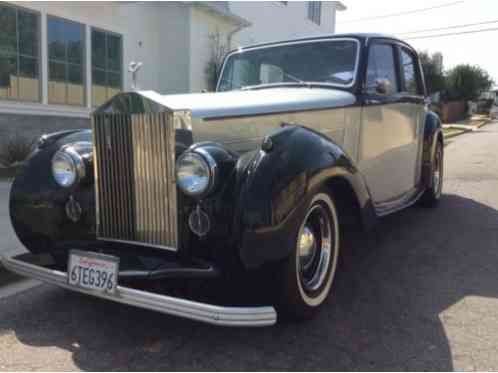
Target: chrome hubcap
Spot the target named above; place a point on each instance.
(307, 247)
(315, 246)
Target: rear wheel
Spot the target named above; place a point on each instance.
(432, 195)
(308, 273)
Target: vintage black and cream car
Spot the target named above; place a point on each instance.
(255, 180)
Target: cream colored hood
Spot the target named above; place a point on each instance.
(253, 102)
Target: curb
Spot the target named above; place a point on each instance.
(484, 122)
(462, 131)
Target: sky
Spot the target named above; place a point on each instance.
(400, 18)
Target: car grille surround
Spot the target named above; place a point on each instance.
(136, 193)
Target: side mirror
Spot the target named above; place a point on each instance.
(382, 86)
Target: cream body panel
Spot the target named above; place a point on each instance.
(243, 134)
(389, 148)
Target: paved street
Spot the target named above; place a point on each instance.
(423, 295)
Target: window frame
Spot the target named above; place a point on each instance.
(396, 62)
(416, 69)
(67, 63)
(18, 55)
(105, 70)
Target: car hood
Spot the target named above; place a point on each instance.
(253, 102)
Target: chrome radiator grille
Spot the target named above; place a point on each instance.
(135, 178)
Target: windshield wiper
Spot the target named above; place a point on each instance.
(279, 84)
(296, 81)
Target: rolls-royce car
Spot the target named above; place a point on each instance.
(301, 140)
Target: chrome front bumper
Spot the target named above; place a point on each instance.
(211, 314)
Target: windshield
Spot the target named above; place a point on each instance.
(331, 62)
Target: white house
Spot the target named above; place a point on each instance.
(60, 60)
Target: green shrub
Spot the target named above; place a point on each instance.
(15, 149)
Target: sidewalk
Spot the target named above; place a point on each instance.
(467, 125)
(8, 241)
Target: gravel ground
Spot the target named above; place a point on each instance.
(421, 294)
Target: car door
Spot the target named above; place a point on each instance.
(413, 98)
(387, 150)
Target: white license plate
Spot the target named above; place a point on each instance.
(93, 271)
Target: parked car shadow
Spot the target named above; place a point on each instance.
(384, 314)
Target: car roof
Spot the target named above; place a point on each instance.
(359, 36)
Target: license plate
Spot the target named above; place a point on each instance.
(93, 271)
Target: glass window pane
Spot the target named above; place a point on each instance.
(28, 67)
(56, 40)
(98, 77)
(57, 83)
(99, 87)
(114, 80)
(410, 76)
(8, 77)
(57, 71)
(114, 86)
(8, 37)
(75, 87)
(28, 33)
(74, 38)
(75, 74)
(381, 66)
(114, 52)
(98, 49)
(29, 84)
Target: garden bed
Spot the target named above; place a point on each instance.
(7, 173)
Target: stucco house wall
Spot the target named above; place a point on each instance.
(204, 24)
(171, 39)
(277, 20)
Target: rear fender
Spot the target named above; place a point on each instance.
(433, 132)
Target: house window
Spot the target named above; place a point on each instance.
(19, 54)
(315, 11)
(65, 62)
(107, 57)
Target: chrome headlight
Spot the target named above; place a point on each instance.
(68, 164)
(195, 173)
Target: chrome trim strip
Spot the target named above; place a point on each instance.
(136, 243)
(203, 312)
(248, 49)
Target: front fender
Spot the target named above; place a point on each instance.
(276, 184)
(37, 203)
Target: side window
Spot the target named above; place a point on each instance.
(381, 66)
(409, 72)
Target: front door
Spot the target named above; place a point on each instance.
(390, 127)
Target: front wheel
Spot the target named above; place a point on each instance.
(307, 275)
(432, 195)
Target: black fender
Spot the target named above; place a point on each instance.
(275, 184)
(433, 132)
(37, 203)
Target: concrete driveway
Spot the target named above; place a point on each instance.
(422, 294)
